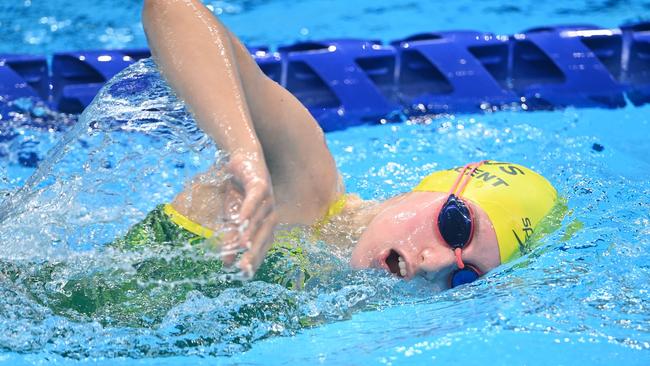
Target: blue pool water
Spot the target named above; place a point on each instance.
(581, 295)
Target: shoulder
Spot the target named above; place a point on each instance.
(307, 195)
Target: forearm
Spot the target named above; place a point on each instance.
(241, 108)
(195, 54)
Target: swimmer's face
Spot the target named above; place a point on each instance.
(404, 231)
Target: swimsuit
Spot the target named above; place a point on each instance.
(285, 264)
(169, 270)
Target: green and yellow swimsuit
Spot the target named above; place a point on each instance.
(285, 264)
(142, 295)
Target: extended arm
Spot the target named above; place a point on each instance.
(248, 115)
(197, 58)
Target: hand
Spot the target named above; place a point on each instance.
(249, 207)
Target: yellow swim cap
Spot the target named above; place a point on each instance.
(514, 197)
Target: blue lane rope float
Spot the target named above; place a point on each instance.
(346, 81)
(23, 76)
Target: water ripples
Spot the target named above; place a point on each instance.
(584, 284)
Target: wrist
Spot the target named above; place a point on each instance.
(251, 162)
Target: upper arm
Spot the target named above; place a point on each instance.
(304, 174)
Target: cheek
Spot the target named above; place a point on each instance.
(382, 234)
(416, 237)
(405, 225)
(377, 235)
(367, 248)
(394, 233)
(397, 230)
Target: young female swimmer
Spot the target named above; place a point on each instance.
(453, 227)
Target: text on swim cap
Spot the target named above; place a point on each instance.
(528, 232)
(494, 179)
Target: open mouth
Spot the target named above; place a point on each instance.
(396, 264)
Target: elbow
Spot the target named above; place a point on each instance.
(162, 11)
(151, 8)
(148, 9)
(155, 11)
(152, 4)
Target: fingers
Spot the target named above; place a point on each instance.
(230, 244)
(252, 259)
(249, 226)
(231, 227)
(257, 193)
(247, 223)
(255, 223)
(252, 236)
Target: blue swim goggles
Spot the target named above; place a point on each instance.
(455, 227)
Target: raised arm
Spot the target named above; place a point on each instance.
(261, 125)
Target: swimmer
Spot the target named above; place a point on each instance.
(280, 183)
(452, 228)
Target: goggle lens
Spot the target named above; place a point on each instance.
(455, 226)
(455, 222)
(463, 276)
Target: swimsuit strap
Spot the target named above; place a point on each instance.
(197, 229)
(187, 224)
(335, 208)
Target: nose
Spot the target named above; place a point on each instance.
(435, 259)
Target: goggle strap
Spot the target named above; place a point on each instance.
(459, 258)
(469, 176)
(458, 179)
(459, 188)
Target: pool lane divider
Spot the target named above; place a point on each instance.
(344, 82)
